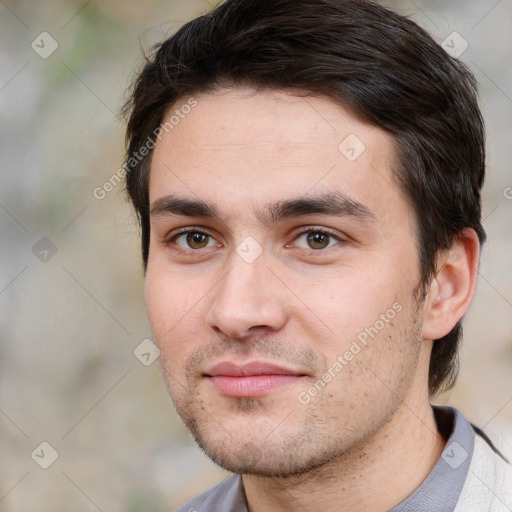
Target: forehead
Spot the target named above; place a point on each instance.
(260, 147)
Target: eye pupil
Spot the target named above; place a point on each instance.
(197, 240)
(318, 240)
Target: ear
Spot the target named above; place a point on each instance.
(453, 287)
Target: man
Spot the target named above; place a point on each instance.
(307, 176)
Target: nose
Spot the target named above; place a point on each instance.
(247, 301)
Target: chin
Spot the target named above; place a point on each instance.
(261, 458)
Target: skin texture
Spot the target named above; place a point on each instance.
(301, 304)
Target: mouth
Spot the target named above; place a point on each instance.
(250, 380)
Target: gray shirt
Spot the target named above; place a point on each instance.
(439, 492)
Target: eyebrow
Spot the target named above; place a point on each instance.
(331, 203)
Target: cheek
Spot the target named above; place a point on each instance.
(167, 302)
(160, 306)
(176, 308)
(338, 309)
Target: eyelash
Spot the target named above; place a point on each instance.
(297, 234)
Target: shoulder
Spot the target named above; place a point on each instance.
(227, 496)
(488, 486)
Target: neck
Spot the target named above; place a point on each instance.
(374, 476)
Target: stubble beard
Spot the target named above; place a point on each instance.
(278, 451)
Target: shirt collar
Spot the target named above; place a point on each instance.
(442, 487)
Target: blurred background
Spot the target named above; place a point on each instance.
(71, 282)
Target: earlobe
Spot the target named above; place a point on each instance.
(452, 288)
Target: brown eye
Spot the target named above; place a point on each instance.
(318, 240)
(197, 240)
(194, 240)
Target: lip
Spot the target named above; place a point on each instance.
(250, 380)
(231, 369)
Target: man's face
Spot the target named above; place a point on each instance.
(285, 318)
